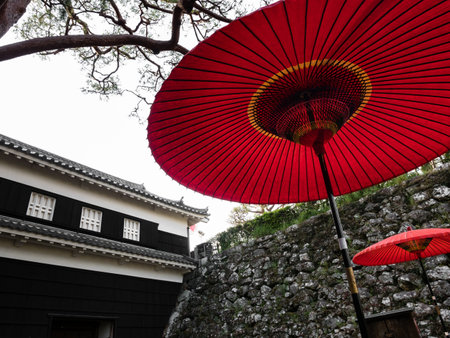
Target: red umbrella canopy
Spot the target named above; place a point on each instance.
(366, 83)
(406, 246)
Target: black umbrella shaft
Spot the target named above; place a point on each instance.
(344, 251)
(436, 306)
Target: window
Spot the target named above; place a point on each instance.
(91, 219)
(131, 229)
(41, 206)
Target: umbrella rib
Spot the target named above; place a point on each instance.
(283, 170)
(381, 79)
(290, 176)
(220, 110)
(305, 39)
(362, 20)
(291, 35)
(385, 88)
(395, 139)
(274, 151)
(417, 101)
(383, 141)
(277, 38)
(319, 71)
(175, 99)
(376, 260)
(433, 112)
(328, 36)
(347, 162)
(359, 46)
(194, 89)
(243, 102)
(306, 173)
(255, 158)
(385, 253)
(220, 154)
(401, 64)
(197, 141)
(263, 44)
(237, 163)
(368, 109)
(440, 246)
(394, 54)
(211, 81)
(240, 56)
(376, 57)
(362, 135)
(308, 70)
(341, 136)
(282, 145)
(236, 141)
(363, 57)
(270, 147)
(416, 94)
(221, 62)
(264, 145)
(368, 113)
(220, 118)
(398, 253)
(215, 71)
(247, 47)
(315, 172)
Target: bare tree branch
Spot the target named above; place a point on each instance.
(212, 14)
(149, 5)
(120, 21)
(76, 41)
(37, 45)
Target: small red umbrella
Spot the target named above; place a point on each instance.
(408, 246)
(303, 100)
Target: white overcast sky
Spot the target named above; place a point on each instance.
(41, 104)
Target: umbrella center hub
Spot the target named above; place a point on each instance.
(312, 123)
(309, 103)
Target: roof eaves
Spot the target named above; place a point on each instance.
(84, 242)
(100, 178)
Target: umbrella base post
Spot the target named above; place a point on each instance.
(352, 282)
(436, 306)
(344, 251)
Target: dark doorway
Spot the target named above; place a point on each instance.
(77, 327)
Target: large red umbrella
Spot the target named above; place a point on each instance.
(408, 246)
(303, 100)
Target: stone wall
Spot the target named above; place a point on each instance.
(292, 283)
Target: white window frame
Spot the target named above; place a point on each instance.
(131, 229)
(91, 219)
(41, 206)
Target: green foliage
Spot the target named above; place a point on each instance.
(271, 222)
(357, 195)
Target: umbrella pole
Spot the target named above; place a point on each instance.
(344, 251)
(436, 306)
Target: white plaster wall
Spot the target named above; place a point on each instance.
(34, 175)
(64, 257)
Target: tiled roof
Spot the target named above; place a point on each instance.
(96, 175)
(161, 257)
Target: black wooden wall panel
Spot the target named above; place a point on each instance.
(14, 198)
(31, 291)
